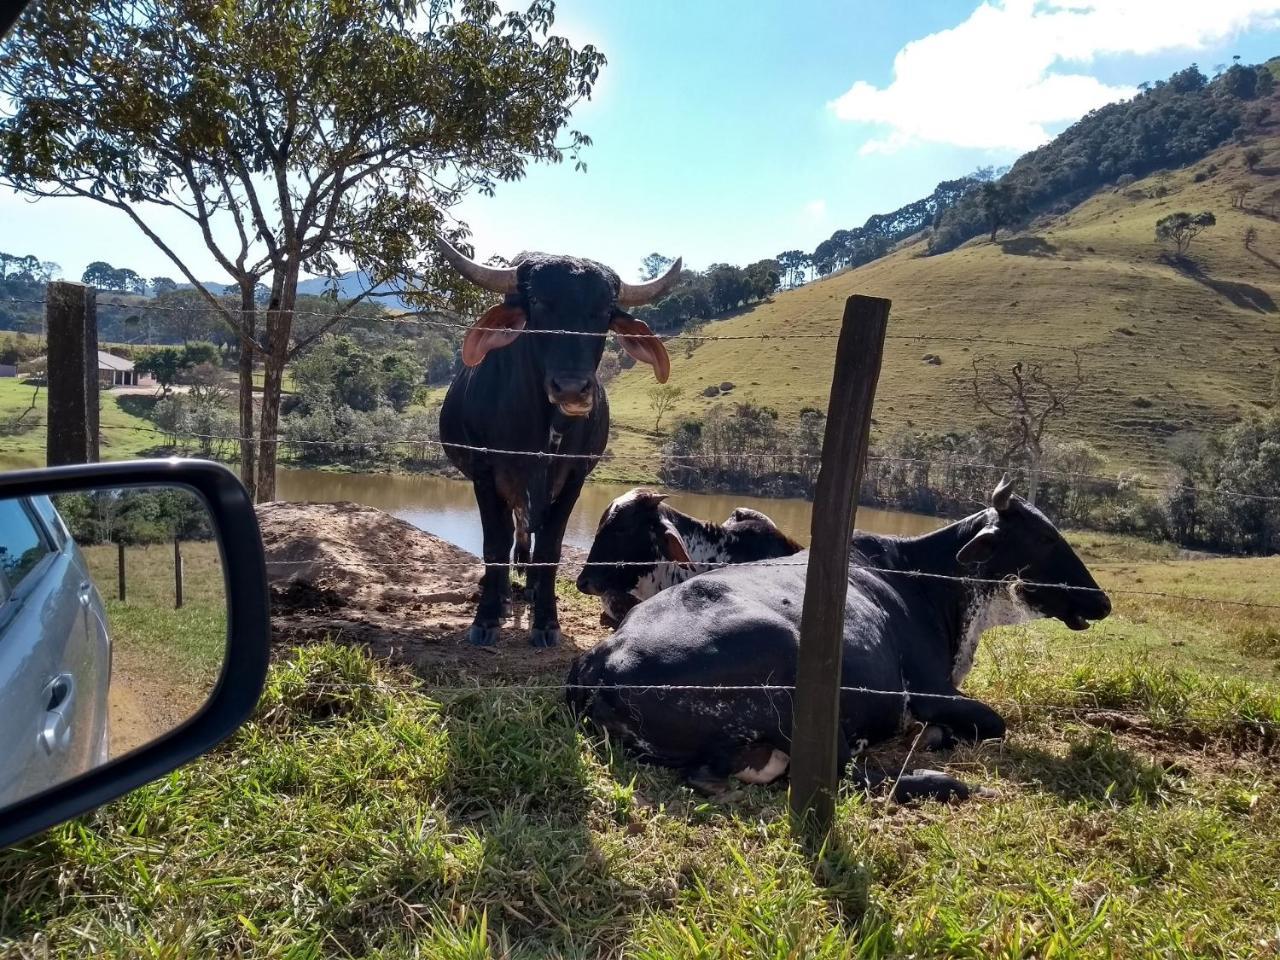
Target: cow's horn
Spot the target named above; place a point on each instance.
(1000, 497)
(635, 294)
(494, 279)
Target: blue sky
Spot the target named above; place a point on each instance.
(728, 131)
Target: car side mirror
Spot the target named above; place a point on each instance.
(134, 629)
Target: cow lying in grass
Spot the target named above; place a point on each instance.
(910, 638)
(644, 545)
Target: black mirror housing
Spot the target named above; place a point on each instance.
(244, 668)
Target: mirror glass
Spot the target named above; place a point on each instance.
(113, 627)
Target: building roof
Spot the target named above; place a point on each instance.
(109, 361)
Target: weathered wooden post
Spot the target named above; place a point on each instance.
(120, 570)
(177, 573)
(71, 315)
(816, 723)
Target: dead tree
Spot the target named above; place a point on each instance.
(1027, 400)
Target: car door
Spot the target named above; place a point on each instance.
(88, 660)
(44, 657)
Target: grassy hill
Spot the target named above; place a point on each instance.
(1165, 350)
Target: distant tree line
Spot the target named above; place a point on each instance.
(702, 295)
(1217, 499)
(134, 517)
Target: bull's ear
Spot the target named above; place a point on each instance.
(979, 549)
(673, 547)
(642, 343)
(498, 327)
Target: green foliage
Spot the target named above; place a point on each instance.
(146, 516)
(661, 397)
(1169, 124)
(1002, 205)
(163, 363)
(1253, 156)
(401, 376)
(1181, 228)
(1228, 492)
(719, 289)
(194, 354)
(654, 266)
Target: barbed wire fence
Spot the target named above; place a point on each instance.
(1082, 699)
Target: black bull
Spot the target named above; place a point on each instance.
(913, 637)
(538, 394)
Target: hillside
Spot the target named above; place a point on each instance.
(1164, 350)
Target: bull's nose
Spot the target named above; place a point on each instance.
(1104, 605)
(586, 586)
(568, 385)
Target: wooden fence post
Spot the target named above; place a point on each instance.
(71, 316)
(177, 573)
(816, 721)
(120, 570)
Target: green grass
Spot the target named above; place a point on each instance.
(125, 435)
(361, 814)
(1201, 354)
(188, 643)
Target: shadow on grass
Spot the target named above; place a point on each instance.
(1094, 770)
(1244, 295)
(1028, 247)
(518, 778)
(1264, 258)
(137, 404)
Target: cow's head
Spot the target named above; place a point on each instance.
(542, 292)
(637, 532)
(1019, 542)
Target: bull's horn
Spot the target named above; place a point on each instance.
(1000, 496)
(635, 294)
(494, 279)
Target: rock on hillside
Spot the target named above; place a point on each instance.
(354, 573)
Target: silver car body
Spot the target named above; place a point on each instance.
(55, 654)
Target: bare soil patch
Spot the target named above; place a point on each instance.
(358, 575)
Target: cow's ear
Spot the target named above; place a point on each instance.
(498, 327)
(673, 547)
(979, 549)
(642, 343)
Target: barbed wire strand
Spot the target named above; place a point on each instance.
(885, 571)
(430, 318)
(1093, 700)
(607, 458)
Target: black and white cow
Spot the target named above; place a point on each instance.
(644, 545)
(526, 392)
(912, 636)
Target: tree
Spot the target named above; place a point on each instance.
(1026, 401)
(1238, 193)
(269, 118)
(1182, 227)
(128, 281)
(200, 353)
(1252, 157)
(163, 363)
(1002, 205)
(162, 285)
(661, 397)
(99, 273)
(654, 265)
(401, 377)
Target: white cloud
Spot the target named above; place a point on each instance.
(995, 80)
(816, 209)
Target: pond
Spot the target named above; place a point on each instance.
(447, 509)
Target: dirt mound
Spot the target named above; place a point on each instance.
(353, 573)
